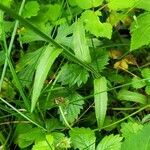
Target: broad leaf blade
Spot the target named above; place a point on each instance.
(46, 61)
(80, 45)
(140, 31)
(100, 99)
(94, 26)
(139, 140)
(111, 142)
(121, 4)
(131, 96)
(83, 138)
(84, 4)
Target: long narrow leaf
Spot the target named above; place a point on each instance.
(81, 48)
(100, 99)
(46, 61)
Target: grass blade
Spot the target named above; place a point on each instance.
(45, 62)
(100, 100)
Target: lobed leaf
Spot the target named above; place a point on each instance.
(139, 140)
(94, 26)
(83, 138)
(111, 142)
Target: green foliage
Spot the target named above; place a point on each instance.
(137, 83)
(72, 106)
(111, 142)
(94, 26)
(31, 9)
(100, 100)
(80, 46)
(88, 4)
(119, 5)
(83, 138)
(140, 27)
(127, 129)
(139, 140)
(132, 96)
(69, 75)
(45, 62)
(72, 74)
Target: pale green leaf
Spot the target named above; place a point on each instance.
(143, 4)
(80, 45)
(131, 96)
(94, 26)
(147, 89)
(146, 74)
(139, 140)
(100, 99)
(60, 141)
(121, 4)
(137, 83)
(71, 74)
(31, 9)
(46, 144)
(72, 107)
(140, 31)
(129, 128)
(83, 138)
(84, 4)
(111, 142)
(45, 62)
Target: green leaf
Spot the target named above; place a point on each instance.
(121, 4)
(72, 107)
(31, 9)
(139, 140)
(27, 65)
(80, 46)
(84, 4)
(45, 62)
(83, 138)
(111, 142)
(60, 141)
(46, 144)
(100, 100)
(143, 4)
(147, 89)
(131, 96)
(137, 83)
(26, 135)
(73, 74)
(49, 12)
(94, 26)
(146, 74)
(101, 58)
(129, 128)
(140, 31)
